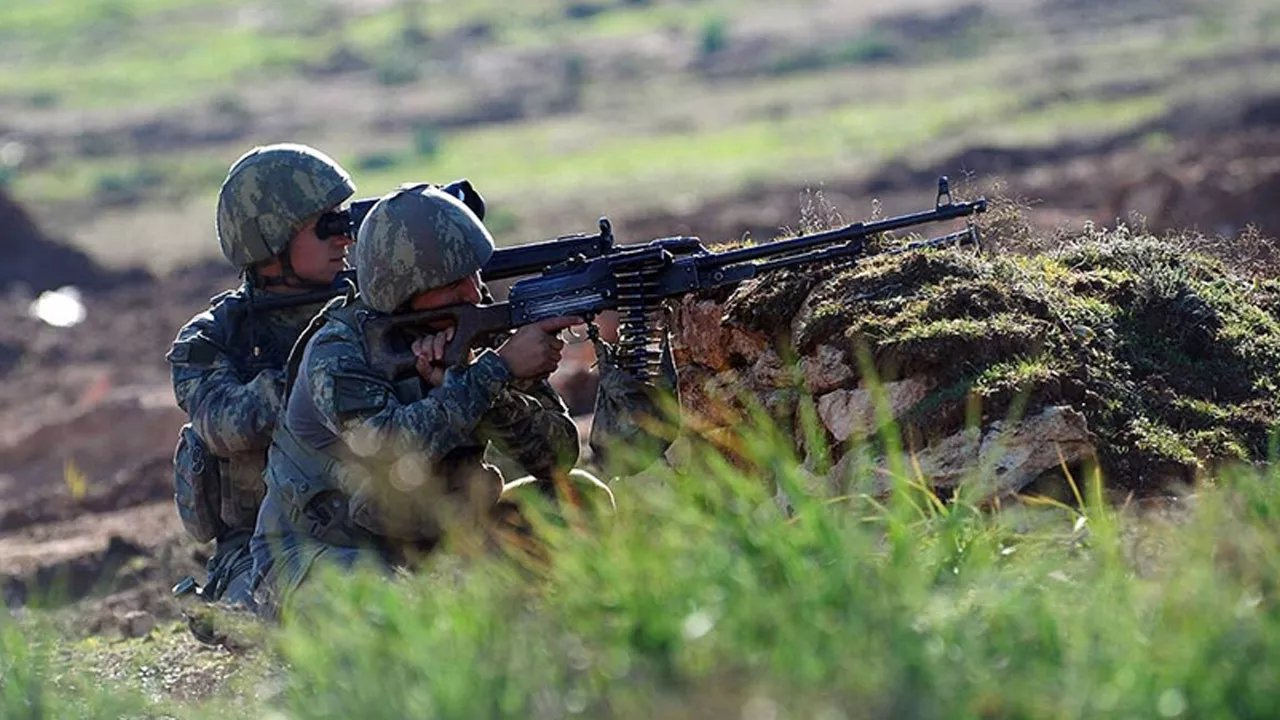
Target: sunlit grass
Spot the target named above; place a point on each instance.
(1080, 118)
(567, 158)
(103, 53)
(176, 65)
(701, 598)
(110, 178)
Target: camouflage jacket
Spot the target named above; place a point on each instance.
(400, 459)
(227, 368)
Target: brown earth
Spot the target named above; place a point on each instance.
(87, 420)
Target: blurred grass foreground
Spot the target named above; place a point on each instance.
(700, 598)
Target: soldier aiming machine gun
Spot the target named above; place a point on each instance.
(635, 281)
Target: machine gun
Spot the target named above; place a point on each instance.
(635, 281)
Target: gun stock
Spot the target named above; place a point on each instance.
(388, 338)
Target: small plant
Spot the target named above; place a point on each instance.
(396, 69)
(128, 186)
(713, 37)
(427, 139)
(377, 160)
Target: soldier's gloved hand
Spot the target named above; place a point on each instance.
(533, 351)
(429, 353)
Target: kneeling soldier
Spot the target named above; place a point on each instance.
(364, 470)
(228, 362)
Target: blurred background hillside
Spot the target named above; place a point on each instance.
(118, 118)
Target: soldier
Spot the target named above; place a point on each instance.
(364, 470)
(228, 362)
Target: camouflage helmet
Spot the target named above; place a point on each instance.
(417, 239)
(268, 194)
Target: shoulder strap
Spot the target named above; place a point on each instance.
(338, 309)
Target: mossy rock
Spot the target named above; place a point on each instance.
(1173, 356)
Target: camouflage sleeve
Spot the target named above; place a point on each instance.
(231, 416)
(533, 427)
(360, 405)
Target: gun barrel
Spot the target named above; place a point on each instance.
(949, 211)
(968, 236)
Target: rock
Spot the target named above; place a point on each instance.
(810, 483)
(1002, 459)
(846, 413)
(826, 370)
(713, 399)
(702, 338)
(137, 623)
(1057, 436)
(744, 345)
(687, 446)
(769, 371)
(699, 337)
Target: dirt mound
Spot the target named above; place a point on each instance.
(42, 263)
(1141, 350)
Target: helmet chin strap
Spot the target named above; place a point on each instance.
(288, 277)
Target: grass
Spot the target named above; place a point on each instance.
(1083, 117)
(197, 63)
(163, 53)
(33, 685)
(699, 598)
(128, 178)
(565, 160)
(1164, 344)
(568, 155)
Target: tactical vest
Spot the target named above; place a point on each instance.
(213, 493)
(339, 498)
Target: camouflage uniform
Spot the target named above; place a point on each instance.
(228, 375)
(366, 470)
(228, 362)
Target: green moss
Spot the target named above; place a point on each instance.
(1161, 442)
(1173, 356)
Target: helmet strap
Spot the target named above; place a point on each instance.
(288, 277)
